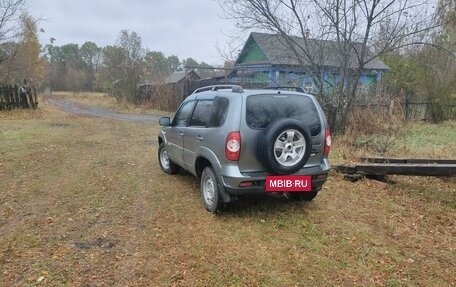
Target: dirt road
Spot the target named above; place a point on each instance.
(71, 107)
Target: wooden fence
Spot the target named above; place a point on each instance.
(429, 111)
(413, 111)
(15, 97)
(169, 96)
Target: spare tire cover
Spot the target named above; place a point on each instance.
(285, 146)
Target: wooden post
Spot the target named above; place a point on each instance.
(407, 114)
(2, 102)
(391, 108)
(185, 84)
(16, 100)
(31, 101)
(35, 98)
(8, 97)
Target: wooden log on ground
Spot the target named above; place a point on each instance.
(416, 167)
(407, 169)
(408, 160)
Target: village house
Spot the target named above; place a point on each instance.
(265, 59)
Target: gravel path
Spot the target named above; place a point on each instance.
(75, 108)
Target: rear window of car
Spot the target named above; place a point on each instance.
(265, 109)
(219, 111)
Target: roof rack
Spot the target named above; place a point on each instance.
(296, 89)
(234, 88)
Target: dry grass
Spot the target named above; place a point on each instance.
(104, 100)
(412, 140)
(379, 131)
(83, 203)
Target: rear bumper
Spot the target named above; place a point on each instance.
(234, 181)
(317, 185)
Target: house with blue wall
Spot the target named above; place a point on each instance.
(274, 61)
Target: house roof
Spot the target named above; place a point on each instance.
(272, 49)
(178, 76)
(175, 77)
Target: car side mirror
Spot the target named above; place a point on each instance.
(165, 121)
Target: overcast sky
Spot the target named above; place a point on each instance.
(185, 28)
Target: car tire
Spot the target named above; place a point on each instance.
(165, 162)
(285, 146)
(303, 196)
(210, 191)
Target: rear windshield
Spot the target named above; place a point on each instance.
(265, 109)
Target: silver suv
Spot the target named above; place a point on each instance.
(239, 142)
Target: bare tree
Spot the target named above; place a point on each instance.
(10, 12)
(19, 45)
(353, 33)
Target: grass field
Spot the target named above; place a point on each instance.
(83, 203)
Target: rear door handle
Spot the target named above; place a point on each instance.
(181, 134)
(200, 138)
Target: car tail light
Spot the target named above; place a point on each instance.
(233, 146)
(327, 141)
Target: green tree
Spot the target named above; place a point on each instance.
(203, 69)
(67, 67)
(435, 81)
(72, 56)
(405, 74)
(110, 75)
(73, 67)
(132, 65)
(446, 15)
(122, 68)
(91, 55)
(190, 62)
(206, 71)
(439, 65)
(174, 63)
(157, 67)
(56, 60)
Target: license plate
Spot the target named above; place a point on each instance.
(288, 183)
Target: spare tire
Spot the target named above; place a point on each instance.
(285, 146)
